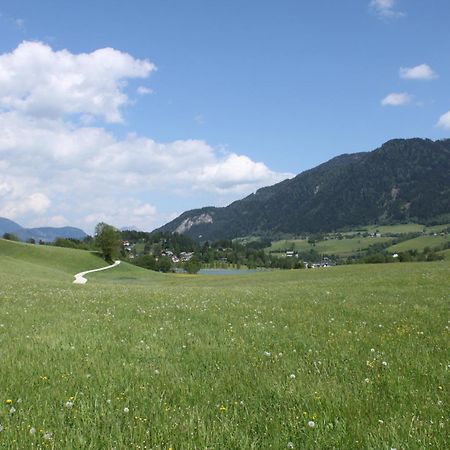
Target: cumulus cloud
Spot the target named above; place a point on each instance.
(39, 81)
(444, 121)
(386, 9)
(89, 170)
(420, 72)
(396, 99)
(57, 170)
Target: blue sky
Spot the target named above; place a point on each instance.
(206, 101)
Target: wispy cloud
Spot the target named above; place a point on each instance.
(142, 90)
(420, 72)
(444, 121)
(199, 119)
(397, 99)
(386, 9)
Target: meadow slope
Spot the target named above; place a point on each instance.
(343, 358)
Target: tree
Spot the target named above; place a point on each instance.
(164, 264)
(192, 266)
(10, 237)
(108, 240)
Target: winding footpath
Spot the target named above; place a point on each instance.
(79, 277)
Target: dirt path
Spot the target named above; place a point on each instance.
(79, 277)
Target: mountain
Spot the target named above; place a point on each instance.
(403, 180)
(8, 226)
(45, 234)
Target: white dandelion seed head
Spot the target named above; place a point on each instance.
(384, 363)
(47, 436)
(292, 376)
(69, 405)
(108, 401)
(311, 424)
(32, 430)
(126, 410)
(290, 445)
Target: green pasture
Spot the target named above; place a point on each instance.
(419, 243)
(44, 260)
(341, 247)
(350, 357)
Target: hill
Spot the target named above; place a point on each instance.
(8, 226)
(45, 234)
(405, 180)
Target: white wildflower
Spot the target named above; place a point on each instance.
(126, 410)
(292, 376)
(290, 445)
(47, 436)
(32, 430)
(311, 424)
(69, 404)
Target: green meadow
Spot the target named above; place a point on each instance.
(349, 357)
(341, 247)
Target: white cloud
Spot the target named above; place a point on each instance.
(444, 121)
(386, 9)
(39, 81)
(142, 90)
(57, 171)
(420, 72)
(88, 170)
(396, 99)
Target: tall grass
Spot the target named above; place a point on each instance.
(347, 358)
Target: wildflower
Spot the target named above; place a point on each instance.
(266, 353)
(108, 401)
(69, 404)
(292, 376)
(367, 380)
(8, 402)
(222, 408)
(380, 421)
(311, 424)
(384, 363)
(47, 436)
(290, 445)
(126, 410)
(32, 430)
(12, 410)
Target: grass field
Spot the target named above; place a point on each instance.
(419, 243)
(352, 357)
(341, 247)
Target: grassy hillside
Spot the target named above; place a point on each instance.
(419, 243)
(47, 261)
(341, 247)
(320, 359)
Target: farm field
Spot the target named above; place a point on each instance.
(419, 243)
(341, 247)
(346, 357)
